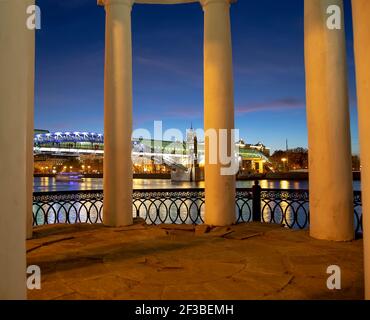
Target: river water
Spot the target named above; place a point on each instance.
(45, 184)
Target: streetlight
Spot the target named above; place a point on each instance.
(284, 160)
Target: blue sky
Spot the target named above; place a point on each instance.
(168, 68)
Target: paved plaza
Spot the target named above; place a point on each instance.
(245, 261)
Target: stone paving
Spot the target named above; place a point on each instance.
(245, 261)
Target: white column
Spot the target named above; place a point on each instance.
(16, 83)
(330, 178)
(361, 28)
(218, 109)
(118, 114)
(30, 132)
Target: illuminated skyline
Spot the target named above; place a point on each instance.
(168, 79)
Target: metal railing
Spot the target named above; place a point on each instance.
(182, 206)
(357, 204)
(67, 207)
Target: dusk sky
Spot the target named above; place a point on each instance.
(168, 68)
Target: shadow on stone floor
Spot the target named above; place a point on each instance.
(245, 261)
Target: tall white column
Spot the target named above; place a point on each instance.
(118, 113)
(361, 28)
(330, 178)
(16, 83)
(218, 109)
(30, 132)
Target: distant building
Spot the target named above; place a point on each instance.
(50, 148)
(261, 148)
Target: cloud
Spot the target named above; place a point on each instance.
(273, 106)
(186, 112)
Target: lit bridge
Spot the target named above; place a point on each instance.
(176, 154)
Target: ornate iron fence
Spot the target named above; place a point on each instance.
(67, 207)
(288, 207)
(182, 206)
(357, 203)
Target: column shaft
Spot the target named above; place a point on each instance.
(118, 114)
(30, 132)
(361, 28)
(16, 83)
(218, 109)
(330, 169)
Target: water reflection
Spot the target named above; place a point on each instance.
(284, 184)
(45, 184)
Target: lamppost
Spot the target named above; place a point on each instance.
(284, 160)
